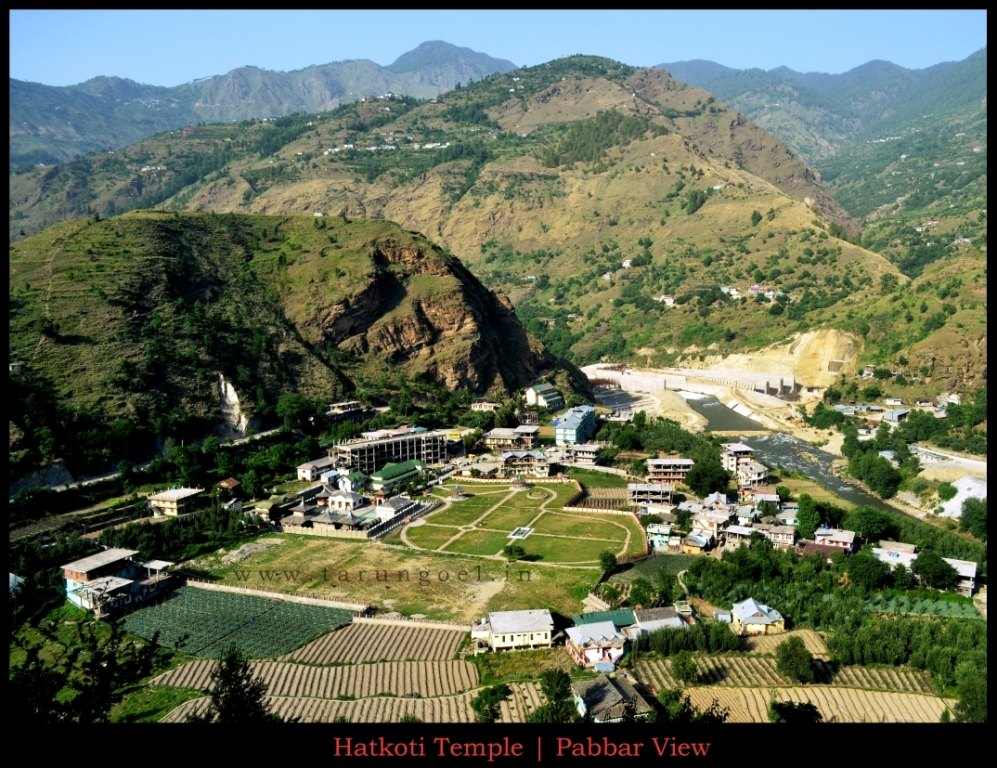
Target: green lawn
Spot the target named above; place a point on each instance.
(430, 536)
(506, 519)
(519, 666)
(457, 515)
(479, 543)
(581, 527)
(648, 568)
(592, 479)
(151, 703)
(551, 549)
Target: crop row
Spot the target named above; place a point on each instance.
(753, 671)
(361, 642)
(392, 678)
(768, 643)
(843, 705)
(446, 709)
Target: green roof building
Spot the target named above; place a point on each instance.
(621, 617)
(392, 475)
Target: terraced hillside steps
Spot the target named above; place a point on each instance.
(394, 678)
(364, 642)
(379, 709)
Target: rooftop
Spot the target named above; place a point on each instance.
(93, 562)
(598, 632)
(606, 698)
(738, 448)
(175, 494)
(670, 462)
(751, 612)
(573, 417)
(391, 470)
(512, 622)
(621, 617)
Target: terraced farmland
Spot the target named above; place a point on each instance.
(843, 705)
(205, 623)
(389, 678)
(447, 709)
(361, 642)
(768, 643)
(755, 671)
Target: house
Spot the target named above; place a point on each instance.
(696, 543)
(966, 487)
(737, 535)
(712, 521)
(585, 453)
(733, 454)
(597, 643)
(670, 469)
(649, 493)
(508, 630)
(723, 617)
(658, 535)
(311, 470)
(228, 486)
(835, 537)
(347, 410)
(543, 395)
(109, 580)
(339, 501)
(894, 556)
(893, 401)
(607, 699)
(626, 263)
(621, 618)
(652, 619)
(967, 575)
(781, 536)
(751, 473)
(175, 501)
(484, 406)
(484, 468)
(868, 372)
(396, 506)
(668, 301)
(896, 415)
(576, 425)
(808, 548)
(664, 512)
(750, 617)
(511, 438)
(395, 475)
(529, 463)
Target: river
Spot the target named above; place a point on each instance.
(720, 418)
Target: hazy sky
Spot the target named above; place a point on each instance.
(172, 47)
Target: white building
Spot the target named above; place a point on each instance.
(751, 473)
(597, 643)
(735, 453)
(312, 470)
(507, 630)
(835, 537)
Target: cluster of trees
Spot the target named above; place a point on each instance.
(666, 436)
(954, 651)
(587, 140)
(710, 637)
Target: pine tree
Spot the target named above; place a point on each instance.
(237, 695)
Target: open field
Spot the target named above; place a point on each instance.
(449, 709)
(413, 582)
(738, 670)
(768, 643)
(205, 623)
(387, 678)
(591, 478)
(647, 569)
(482, 518)
(842, 705)
(522, 666)
(360, 642)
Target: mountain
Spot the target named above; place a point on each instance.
(585, 190)
(817, 114)
(126, 324)
(51, 124)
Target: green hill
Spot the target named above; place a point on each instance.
(120, 328)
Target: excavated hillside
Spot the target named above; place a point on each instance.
(134, 318)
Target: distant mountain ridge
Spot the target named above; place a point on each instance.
(50, 124)
(816, 114)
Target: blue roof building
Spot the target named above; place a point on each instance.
(576, 425)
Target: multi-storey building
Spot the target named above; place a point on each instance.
(671, 469)
(575, 425)
(375, 449)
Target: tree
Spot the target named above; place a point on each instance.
(675, 708)
(642, 594)
(295, 409)
(865, 571)
(933, 571)
(870, 524)
(707, 476)
(797, 713)
(903, 578)
(559, 705)
(971, 683)
(684, 667)
(946, 491)
(794, 660)
(237, 695)
(974, 517)
(608, 561)
(487, 704)
(807, 518)
(756, 218)
(514, 552)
